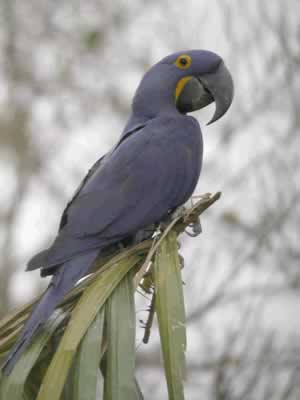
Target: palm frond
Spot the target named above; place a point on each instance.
(169, 305)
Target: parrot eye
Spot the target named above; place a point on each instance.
(183, 62)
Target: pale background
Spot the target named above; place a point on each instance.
(68, 71)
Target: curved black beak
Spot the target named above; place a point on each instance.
(201, 91)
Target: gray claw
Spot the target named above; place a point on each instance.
(196, 228)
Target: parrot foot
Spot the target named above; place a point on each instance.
(169, 218)
(178, 212)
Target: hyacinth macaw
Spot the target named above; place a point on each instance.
(152, 170)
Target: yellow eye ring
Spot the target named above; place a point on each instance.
(183, 62)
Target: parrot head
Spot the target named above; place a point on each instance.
(187, 80)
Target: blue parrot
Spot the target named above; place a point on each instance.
(153, 169)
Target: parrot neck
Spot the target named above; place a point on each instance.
(155, 94)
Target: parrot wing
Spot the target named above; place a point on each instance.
(137, 185)
(93, 169)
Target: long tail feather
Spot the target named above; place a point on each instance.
(63, 281)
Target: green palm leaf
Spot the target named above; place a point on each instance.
(85, 311)
(12, 387)
(120, 363)
(169, 305)
(85, 376)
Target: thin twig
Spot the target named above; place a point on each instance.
(149, 321)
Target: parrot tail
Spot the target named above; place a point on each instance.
(64, 279)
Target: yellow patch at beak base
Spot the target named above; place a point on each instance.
(180, 85)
